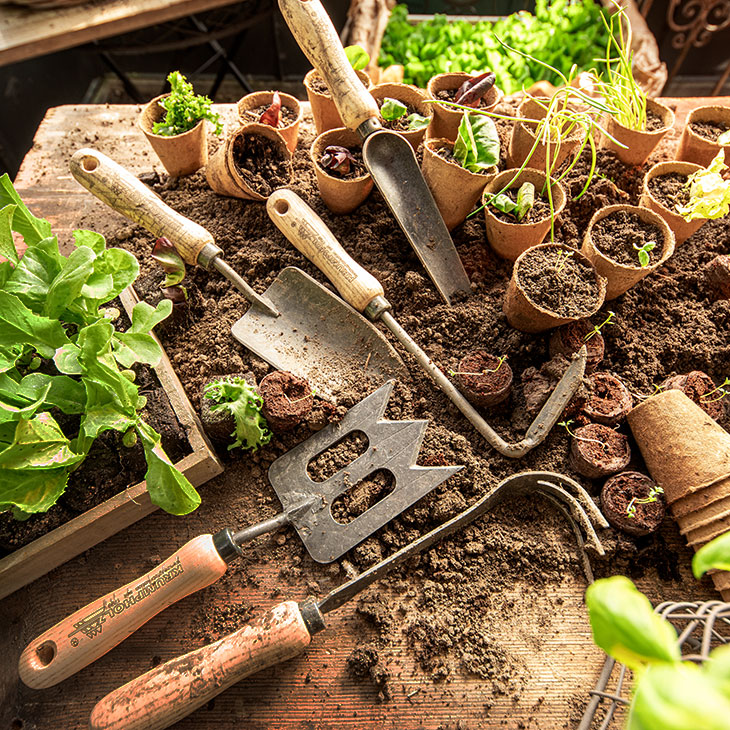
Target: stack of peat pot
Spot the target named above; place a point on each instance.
(688, 455)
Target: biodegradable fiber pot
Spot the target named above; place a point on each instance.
(412, 97)
(597, 451)
(568, 339)
(340, 195)
(251, 102)
(539, 276)
(324, 110)
(454, 188)
(524, 136)
(484, 379)
(680, 227)
(621, 277)
(224, 175)
(182, 154)
(446, 120)
(639, 143)
(628, 504)
(509, 240)
(694, 147)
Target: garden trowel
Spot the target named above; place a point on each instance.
(388, 156)
(393, 446)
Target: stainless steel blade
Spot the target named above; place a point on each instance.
(318, 337)
(392, 163)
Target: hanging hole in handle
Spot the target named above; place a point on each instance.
(46, 652)
(281, 207)
(89, 163)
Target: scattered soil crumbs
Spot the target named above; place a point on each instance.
(484, 603)
(556, 280)
(288, 115)
(709, 130)
(670, 189)
(261, 163)
(621, 234)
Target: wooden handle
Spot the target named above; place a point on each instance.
(313, 30)
(173, 690)
(308, 232)
(93, 630)
(123, 192)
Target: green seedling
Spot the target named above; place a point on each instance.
(525, 201)
(392, 109)
(597, 330)
(166, 255)
(477, 143)
(652, 497)
(566, 425)
(500, 359)
(563, 257)
(724, 138)
(185, 109)
(643, 252)
(358, 57)
(721, 391)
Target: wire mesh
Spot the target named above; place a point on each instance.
(700, 628)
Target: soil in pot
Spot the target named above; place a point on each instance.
(670, 189)
(621, 234)
(400, 124)
(654, 121)
(559, 283)
(631, 504)
(569, 338)
(609, 401)
(261, 163)
(700, 388)
(598, 451)
(709, 130)
(288, 115)
(486, 102)
(355, 169)
(287, 400)
(484, 379)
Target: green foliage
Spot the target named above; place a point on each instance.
(709, 193)
(358, 57)
(185, 109)
(561, 33)
(393, 109)
(668, 694)
(237, 397)
(644, 251)
(477, 143)
(51, 309)
(715, 555)
(525, 201)
(596, 329)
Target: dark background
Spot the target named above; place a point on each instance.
(265, 52)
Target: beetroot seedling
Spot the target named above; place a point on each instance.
(166, 255)
(337, 160)
(472, 91)
(272, 115)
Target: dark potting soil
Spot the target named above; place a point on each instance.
(288, 115)
(558, 282)
(460, 605)
(670, 189)
(621, 234)
(318, 85)
(709, 130)
(357, 168)
(450, 95)
(261, 163)
(400, 124)
(653, 121)
(539, 211)
(287, 400)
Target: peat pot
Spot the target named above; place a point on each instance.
(248, 105)
(413, 98)
(698, 148)
(324, 110)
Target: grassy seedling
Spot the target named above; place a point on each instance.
(597, 330)
(563, 257)
(652, 497)
(644, 396)
(311, 394)
(567, 424)
(184, 108)
(643, 252)
(721, 391)
(501, 359)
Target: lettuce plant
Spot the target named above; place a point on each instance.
(184, 108)
(669, 694)
(709, 193)
(166, 255)
(477, 143)
(51, 309)
(393, 109)
(358, 57)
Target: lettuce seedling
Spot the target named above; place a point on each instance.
(235, 396)
(643, 253)
(358, 57)
(272, 115)
(393, 109)
(470, 93)
(337, 160)
(477, 143)
(184, 109)
(166, 255)
(709, 193)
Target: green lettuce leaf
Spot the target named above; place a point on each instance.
(31, 228)
(19, 325)
(715, 555)
(709, 193)
(38, 443)
(7, 244)
(32, 277)
(477, 143)
(67, 285)
(132, 347)
(30, 491)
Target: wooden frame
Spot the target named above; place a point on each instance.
(86, 530)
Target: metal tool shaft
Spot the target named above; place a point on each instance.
(245, 289)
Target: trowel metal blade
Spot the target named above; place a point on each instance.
(318, 337)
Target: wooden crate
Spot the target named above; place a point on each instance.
(86, 530)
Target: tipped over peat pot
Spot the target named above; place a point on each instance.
(639, 144)
(446, 120)
(552, 284)
(324, 110)
(415, 101)
(251, 163)
(698, 142)
(569, 338)
(287, 400)
(597, 451)
(609, 401)
(181, 154)
(252, 106)
(454, 188)
(341, 193)
(484, 379)
(507, 236)
(611, 242)
(696, 385)
(631, 504)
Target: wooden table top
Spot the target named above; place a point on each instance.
(27, 33)
(314, 690)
